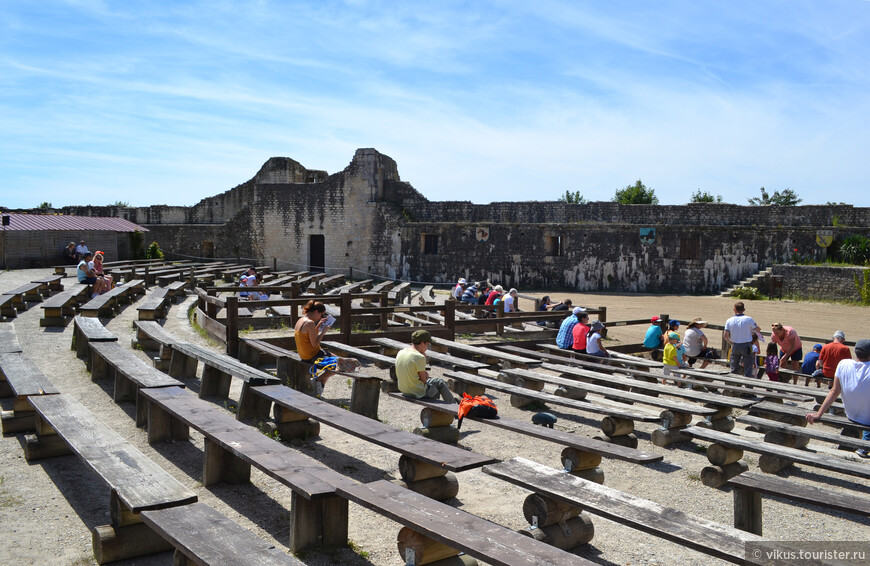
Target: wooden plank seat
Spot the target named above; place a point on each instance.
(427, 297)
(8, 339)
(438, 358)
(697, 533)
(691, 384)
(60, 270)
(797, 416)
(203, 536)
(176, 289)
(810, 432)
(165, 279)
(355, 287)
(217, 373)
(318, 515)
(675, 415)
(154, 306)
(434, 530)
(50, 284)
(380, 360)
(748, 488)
(151, 336)
(426, 466)
(405, 318)
(399, 294)
(130, 374)
(87, 329)
(7, 306)
(726, 451)
(136, 483)
(27, 293)
(59, 309)
(490, 355)
(365, 392)
(20, 379)
(617, 424)
(581, 455)
(108, 302)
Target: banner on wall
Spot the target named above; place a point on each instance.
(482, 234)
(824, 238)
(647, 236)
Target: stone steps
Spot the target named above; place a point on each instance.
(748, 282)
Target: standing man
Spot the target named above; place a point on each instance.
(852, 380)
(738, 332)
(831, 355)
(414, 380)
(790, 346)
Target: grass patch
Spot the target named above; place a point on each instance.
(357, 549)
(694, 476)
(7, 500)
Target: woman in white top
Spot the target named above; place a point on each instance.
(510, 301)
(594, 345)
(696, 343)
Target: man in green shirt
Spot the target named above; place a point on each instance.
(414, 380)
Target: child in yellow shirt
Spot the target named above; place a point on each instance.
(669, 358)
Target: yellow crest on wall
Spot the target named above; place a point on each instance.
(824, 238)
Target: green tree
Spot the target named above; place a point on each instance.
(43, 208)
(785, 198)
(573, 198)
(637, 193)
(121, 204)
(699, 196)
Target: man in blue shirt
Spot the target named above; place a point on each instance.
(654, 333)
(565, 338)
(809, 365)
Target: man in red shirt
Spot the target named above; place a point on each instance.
(831, 355)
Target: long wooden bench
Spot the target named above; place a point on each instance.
(427, 297)
(434, 530)
(426, 466)
(60, 308)
(570, 492)
(20, 378)
(130, 374)
(8, 339)
(151, 336)
(7, 307)
(203, 536)
(438, 358)
(797, 415)
(136, 482)
(50, 284)
(86, 330)
(815, 433)
(217, 373)
(490, 355)
(27, 293)
(318, 515)
(617, 424)
(106, 303)
(176, 290)
(365, 392)
(581, 455)
(750, 486)
(726, 451)
(155, 304)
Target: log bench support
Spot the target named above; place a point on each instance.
(290, 424)
(556, 523)
(725, 464)
(672, 423)
(427, 479)
(747, 510)
(437, 425)
(582, 464)
(721, 421)
(618, 431)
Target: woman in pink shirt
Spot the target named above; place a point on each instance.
(790, 346)
(581, 332)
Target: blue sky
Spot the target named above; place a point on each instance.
(158, 102)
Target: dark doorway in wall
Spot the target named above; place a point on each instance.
(207, 249)
(316, 252)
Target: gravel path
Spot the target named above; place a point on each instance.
(48, 508)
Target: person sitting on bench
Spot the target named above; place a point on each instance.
(69, 254)
(852, 380)
(308, 333)
(414, 380)
(85, 274)
(594, 345)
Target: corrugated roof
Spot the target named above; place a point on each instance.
(63, 222)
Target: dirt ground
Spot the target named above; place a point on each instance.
(48, 508)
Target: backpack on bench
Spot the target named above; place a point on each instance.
(476, 407)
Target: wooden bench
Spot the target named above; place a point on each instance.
(217, 373)
(175, 290)
(60, 308)
(489, 355)
(8, 339)
(434, 530)
(151, 336)
(154, 306)
(203, 536)
(571, 494)
(7, 306)
(51, 284)
(439, 359)
(21, 379)
(580, 457)
(617, 425)
(399, 294)
(27, 293)
(85, 330)
(427, 297)
(365, 392)
(106, 303)
(812, 432)
(136, 482)
(797, 416)
(749, 487)
(426, 466)
(318, 515)
(726, 451)
(167, 278)
(130, 374)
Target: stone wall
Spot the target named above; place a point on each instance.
(821, 281)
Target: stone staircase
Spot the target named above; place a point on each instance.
(758, 280)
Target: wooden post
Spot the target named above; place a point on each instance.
(747, 510)
(274, 264)
(320, 522)
(210, 309)
(602, 316)
(345, 314)
(499, 314)
(450, 318)
(233, 326)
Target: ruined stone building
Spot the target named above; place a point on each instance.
(367, 219)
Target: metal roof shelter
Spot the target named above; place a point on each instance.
(37, 240)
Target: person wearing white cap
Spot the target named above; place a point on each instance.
(459, 289)
(510, 301)
(695, 342)
(831, 355)
(565, 337)
(496, 292)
